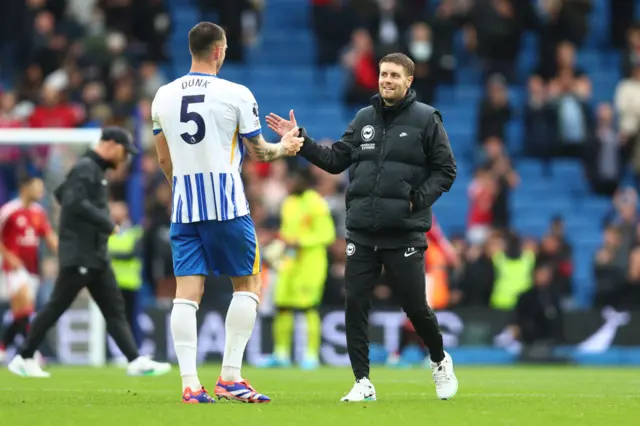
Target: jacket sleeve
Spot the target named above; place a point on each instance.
(440, 162)
(335, 158)
(75, 198)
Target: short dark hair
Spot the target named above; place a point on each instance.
(400, 59)
(303, 174)
(26, 179)
(203, 36)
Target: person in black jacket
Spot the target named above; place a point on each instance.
(85, 227)
(400, 162)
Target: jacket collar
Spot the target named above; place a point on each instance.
(104, 164)
(407, 101)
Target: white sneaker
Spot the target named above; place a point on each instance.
(40, 359)
(120, 362)
(444, 378)
(363, 390)
(26, 367)
(143, 366)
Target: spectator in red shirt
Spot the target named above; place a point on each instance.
(360, 61)
(482, 193)
(53, 111)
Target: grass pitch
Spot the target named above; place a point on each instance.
(522, 396)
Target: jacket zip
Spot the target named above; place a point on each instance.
(375, 187)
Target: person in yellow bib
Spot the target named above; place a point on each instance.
(124, 249)
(307, 230)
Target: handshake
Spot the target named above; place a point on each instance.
(288, 130)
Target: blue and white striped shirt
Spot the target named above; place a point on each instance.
(203, 119)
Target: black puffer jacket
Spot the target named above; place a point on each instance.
(85, 223)
(399, 161)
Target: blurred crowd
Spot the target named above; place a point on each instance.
(87, 63)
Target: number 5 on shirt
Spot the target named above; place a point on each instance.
(187, 116)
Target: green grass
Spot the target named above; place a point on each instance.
(540, 396)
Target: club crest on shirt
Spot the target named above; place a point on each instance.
(368, 132)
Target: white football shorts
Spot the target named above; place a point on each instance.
(16, 280)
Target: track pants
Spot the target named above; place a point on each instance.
(406, 269)
(105, 292)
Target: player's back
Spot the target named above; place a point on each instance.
(203, 119)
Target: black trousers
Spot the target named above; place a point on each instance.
(406, 269)
(105, 292)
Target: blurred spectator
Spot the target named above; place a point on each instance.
(495, 110)
(572, 117)
(551, 33)
(604, 154)
(387, 27)
(551, 254)
(631, 52)
(538, 311)
(9, 118)
(482, 195)
(497, 27)
(574, 15)
(505, 178)
(274, 187)
(230, 18)
(420, 50)
(563, 64)
(54, 110)
(626, 220)
(444, 21)
(537, 121)
(622, 14)
(563, 22)
(151, 79)
(513, 263)
(47, 47)
(627, 104)
(158, 265)
(475, 280)
(331, 38)
(631, 289)
(16, 27)
(361, 63)
(609, 268)
(124, 102)
(252, 21)
(557, 230)
(29, 86)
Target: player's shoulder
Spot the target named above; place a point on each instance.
(366, 113)
(37, 208)
(236, 90)
(427, 111)
(84, 163)
(10, 208)
(165, 89)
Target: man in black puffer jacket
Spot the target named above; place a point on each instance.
(400, 162)
(85, 227)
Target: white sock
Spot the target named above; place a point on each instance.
(184, 330)
(241, 317)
